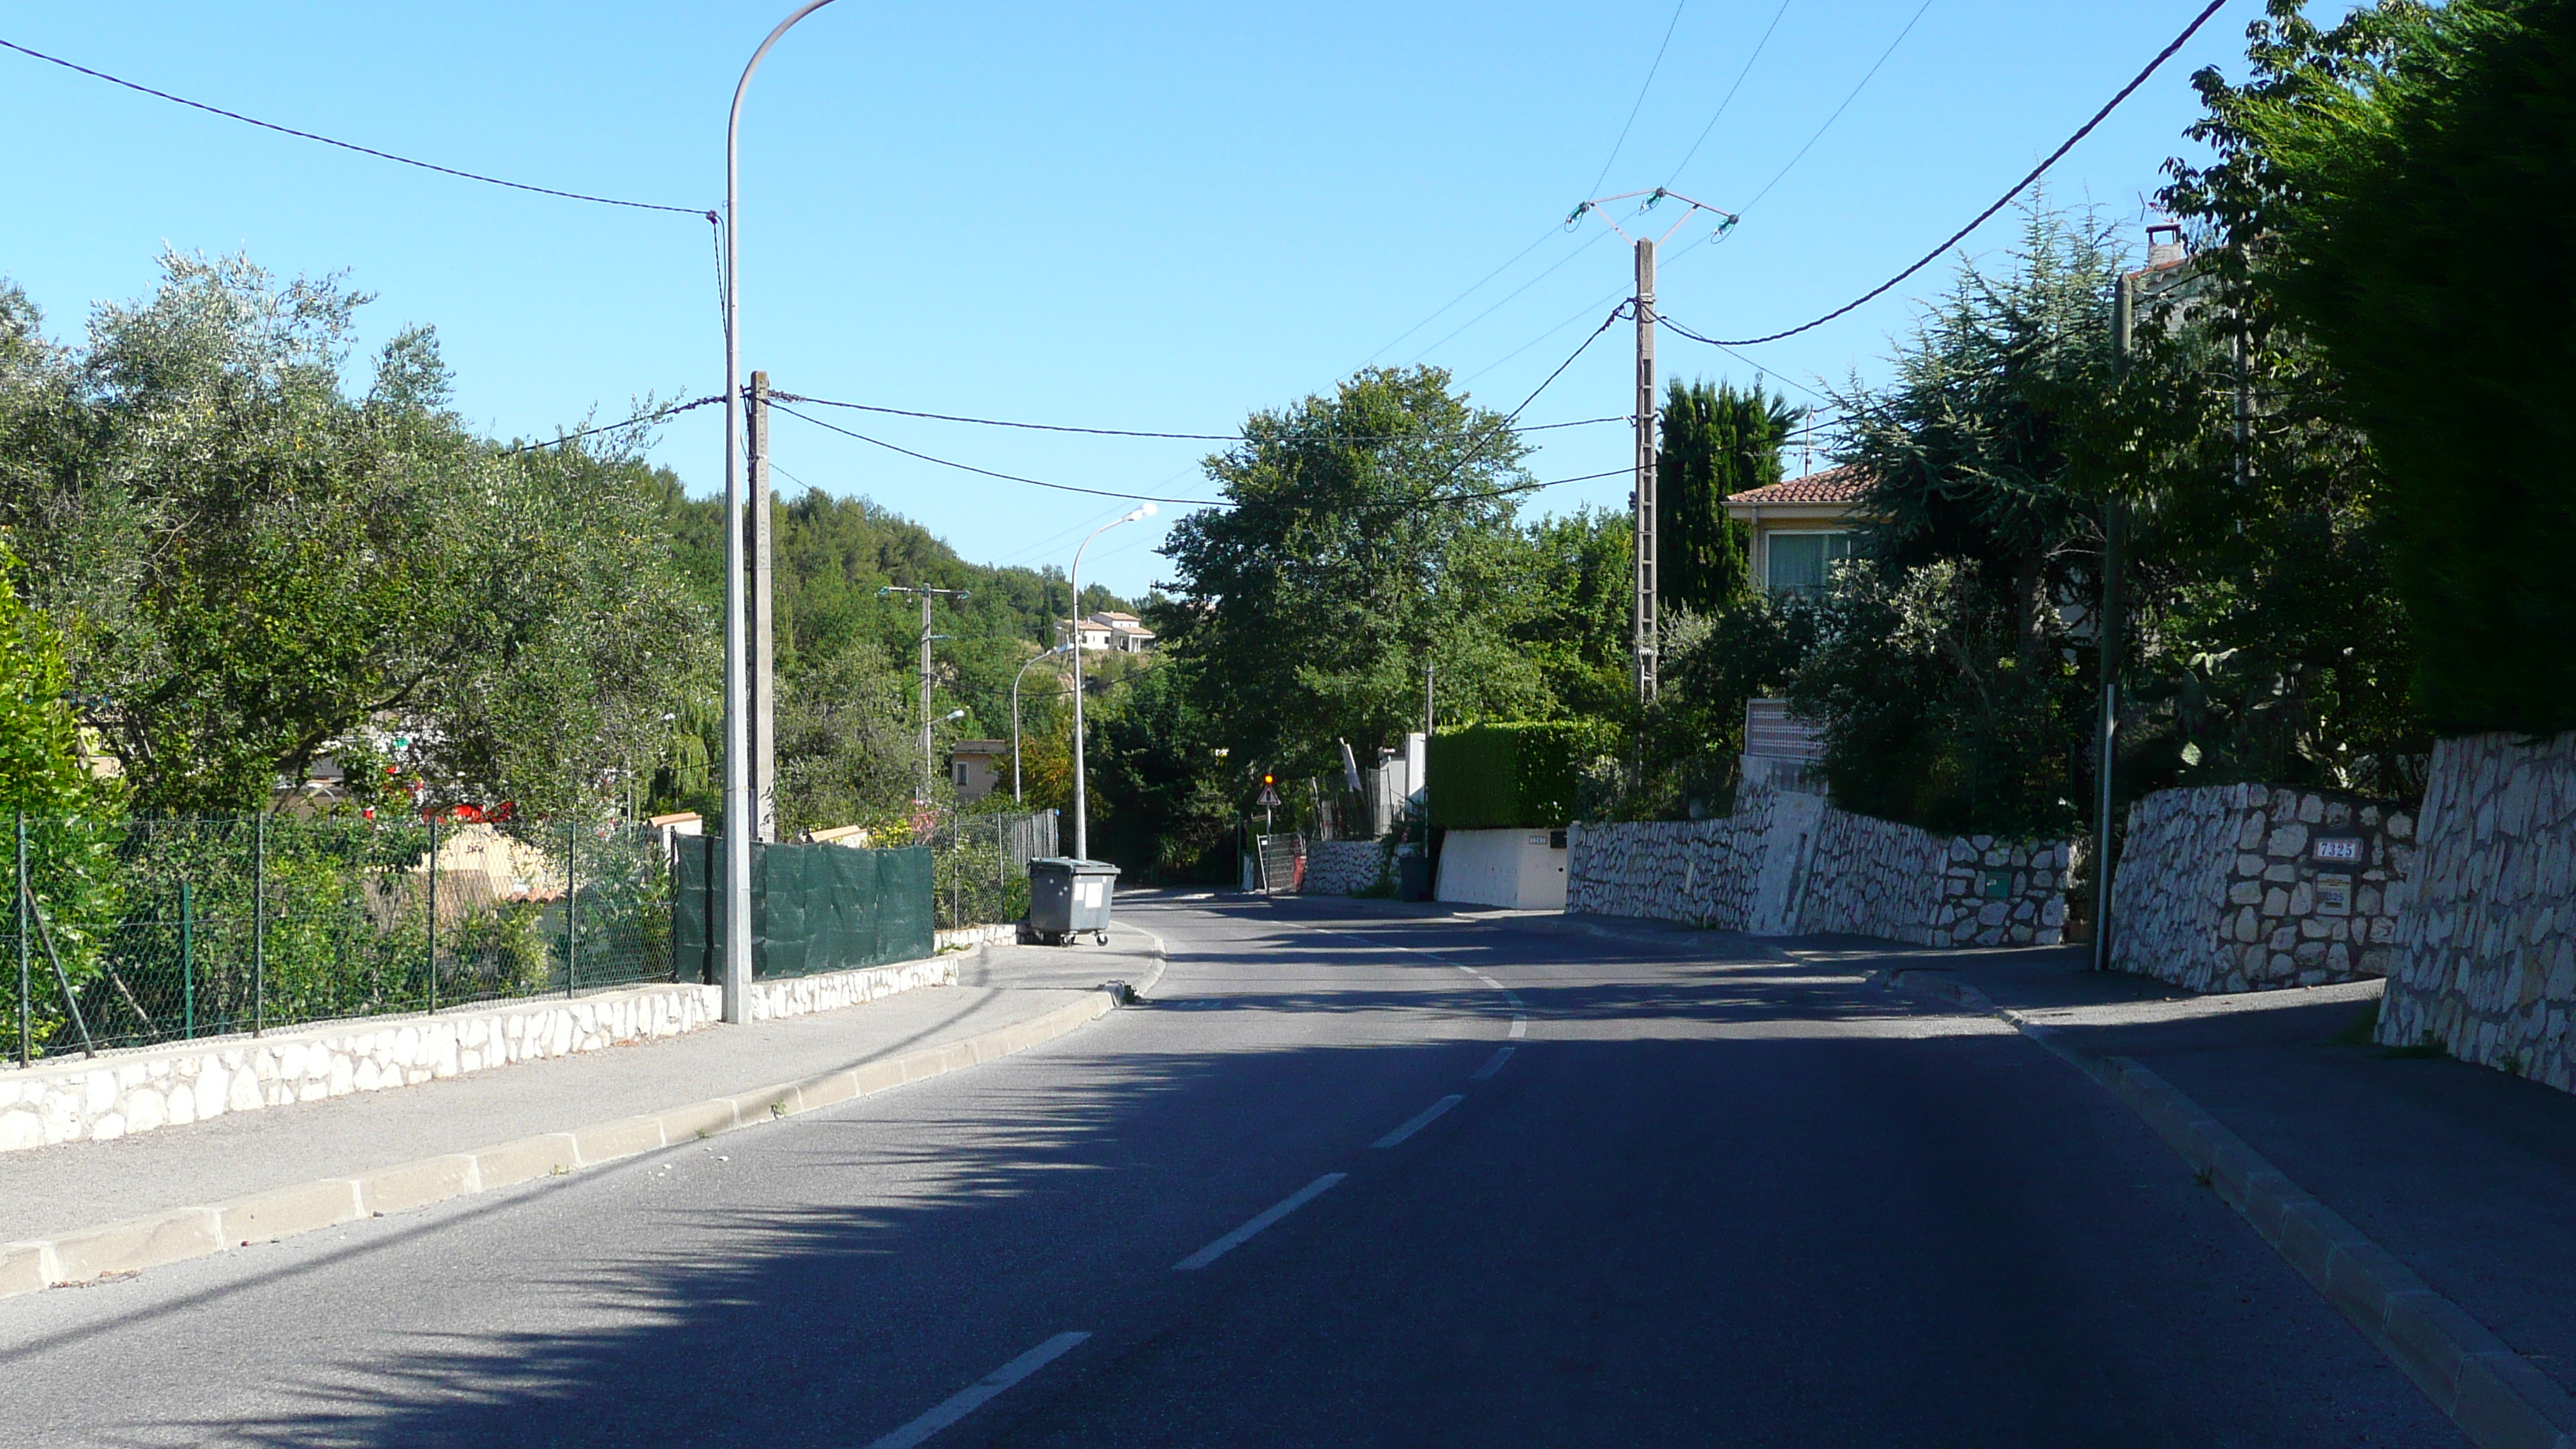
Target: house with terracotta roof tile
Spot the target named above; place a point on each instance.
(1800, 528)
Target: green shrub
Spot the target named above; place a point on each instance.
(1509, 776)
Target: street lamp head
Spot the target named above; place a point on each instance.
(1141, 510)
(954, 714)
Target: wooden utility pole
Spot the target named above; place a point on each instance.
(2106, 640)
(1644, 502)
(760, 613)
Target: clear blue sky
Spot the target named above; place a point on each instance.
(1143, 215)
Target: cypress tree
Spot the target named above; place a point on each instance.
(1716, 441)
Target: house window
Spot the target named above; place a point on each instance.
(957, 768)
(1802, 563)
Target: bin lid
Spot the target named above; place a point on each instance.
(1076, 867)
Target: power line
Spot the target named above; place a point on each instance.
(1508, 297)
(351, 145)
(1730, 93)
(1640, 102)
(654, 416)
(1462, 296)
(1865, 79)
(1153, 497)
(1003, 423)
(1478, 447)
(1234, 437)
(1982, 217)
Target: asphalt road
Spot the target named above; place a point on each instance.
(1711, 1200)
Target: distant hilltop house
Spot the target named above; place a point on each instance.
(1801, 528)
(1115, 632)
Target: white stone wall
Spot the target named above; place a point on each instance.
(1345, 867)
(1698, 871)
(2486, 948)
(2218, 888)
(1837, 873)
(67, 1100)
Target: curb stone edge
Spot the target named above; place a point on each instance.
(2491, 1392)
(123, 1249)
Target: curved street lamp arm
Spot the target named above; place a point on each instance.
(738, 804)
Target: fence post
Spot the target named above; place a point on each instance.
(187, 964)
(572, 905)
(433, 913)
(259, 923)
(25, 1020)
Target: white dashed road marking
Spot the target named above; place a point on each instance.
(1419, 1120)
(1242, 1235)
(974, 1396)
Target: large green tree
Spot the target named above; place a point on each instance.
(253, 568)
(2410, 172)
(1367, 534)
(1944, 669)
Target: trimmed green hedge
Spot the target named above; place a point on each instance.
(1512, 776)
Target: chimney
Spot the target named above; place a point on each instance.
(2164, 244)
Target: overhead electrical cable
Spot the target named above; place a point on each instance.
(1507, 297)
(1729, 98)
(1981, 218)
(1640, 102)
(1478, 446)
(1866, 78)
(1000, 422)
(1151, 497)
(698, 211)
(1442, 309)
(1235, 437)
(653, 416)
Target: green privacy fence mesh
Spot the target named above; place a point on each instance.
(813, 908)
(133, 932)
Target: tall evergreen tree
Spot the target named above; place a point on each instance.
(1716, 441)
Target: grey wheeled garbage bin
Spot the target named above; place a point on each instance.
(1069, 898)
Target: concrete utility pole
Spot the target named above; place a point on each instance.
(760, 613)
(1081, 785)
(1643, 505)
(2106, 639)
(739, 811)
(929, 760)
(1646, 608)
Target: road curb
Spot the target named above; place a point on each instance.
(2494, 1394)
(122, 1249)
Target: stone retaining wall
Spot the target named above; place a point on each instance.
(1344, 867)
(2222, 888)
(1697, 871)
(1831, 872)
(125, 1092)
(2486, 949)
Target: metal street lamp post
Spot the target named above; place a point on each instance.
(1081, 814)
(740, 821)
(1015, 715)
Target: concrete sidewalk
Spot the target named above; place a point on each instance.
(2466, 1175)
(48, 1191)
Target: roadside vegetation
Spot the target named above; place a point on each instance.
(239, 552)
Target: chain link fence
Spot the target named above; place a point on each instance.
(980, 866)
(124, 933)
